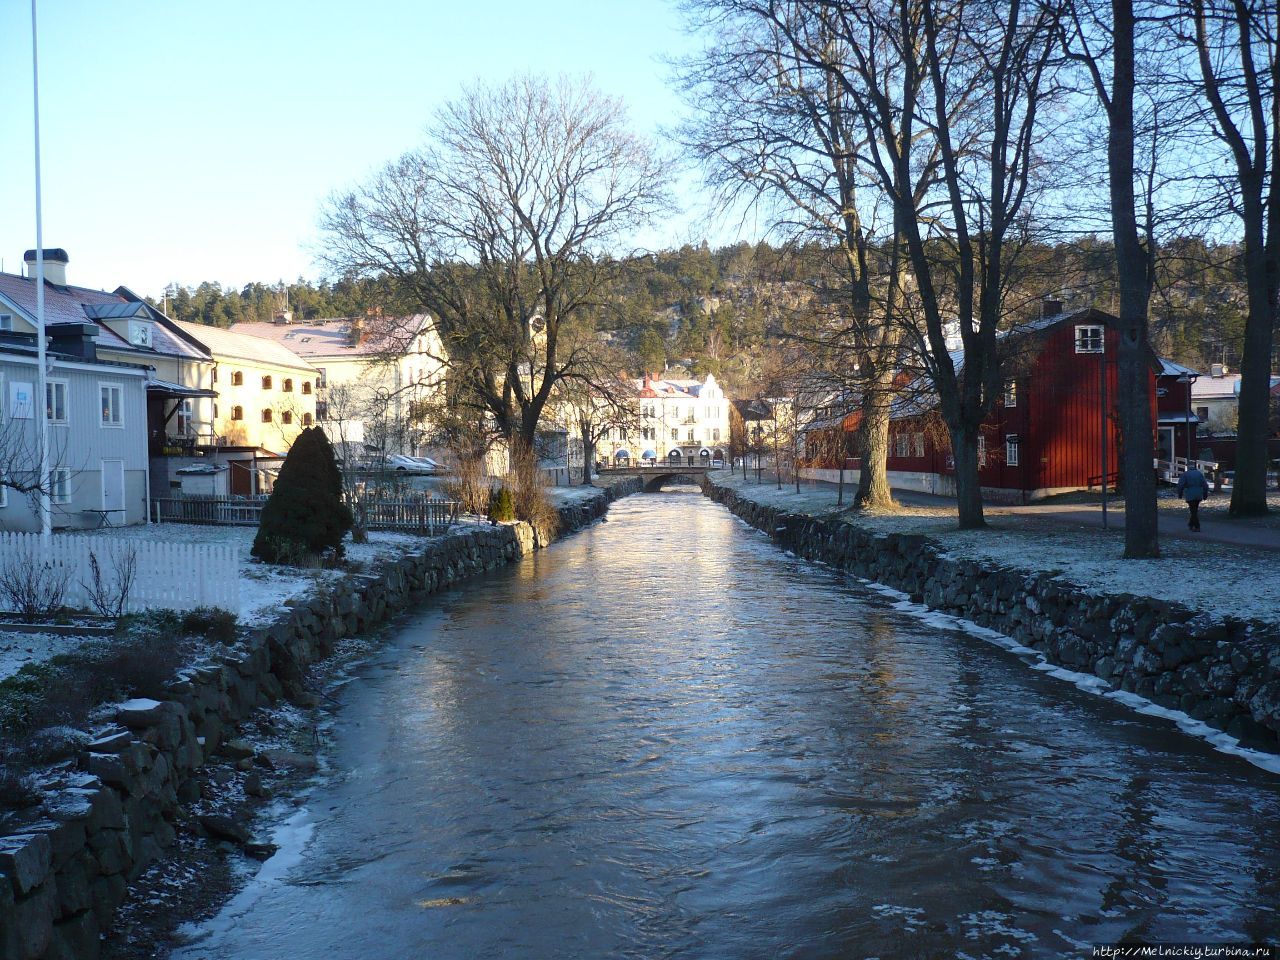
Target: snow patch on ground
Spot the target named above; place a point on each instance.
(19, 649)
(1217, 578)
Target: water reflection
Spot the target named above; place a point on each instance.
(663, 738)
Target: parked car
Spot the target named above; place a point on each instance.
(403, 463)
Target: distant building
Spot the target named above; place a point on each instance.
(678, 419)
(371, 372)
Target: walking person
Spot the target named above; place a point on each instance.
(1193, 487)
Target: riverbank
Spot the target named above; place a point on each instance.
(110, 812)
(1131, 626)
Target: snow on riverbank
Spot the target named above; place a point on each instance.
(1222, 579)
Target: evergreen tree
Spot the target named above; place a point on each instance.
(305, 515)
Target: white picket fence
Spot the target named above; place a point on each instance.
(179, 576)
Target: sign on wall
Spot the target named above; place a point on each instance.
(20, 399)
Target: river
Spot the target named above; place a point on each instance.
(663, 737)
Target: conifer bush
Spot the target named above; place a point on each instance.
(306, 514)
(502, 506)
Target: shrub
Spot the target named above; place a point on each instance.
(306, 508)
(34, 588)
(502, 507)
(214, 623)
(530, 497)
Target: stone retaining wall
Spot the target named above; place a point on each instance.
(63, 877)
(1223, 671)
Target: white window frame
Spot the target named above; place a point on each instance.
(982, 450)
(1012, 456)
(901, 444)
(4, 496)
(6, 325)
(1011, 393)
(1091, 338)
(50, 388)
(60, 477)
(117, 408)
(917, 444)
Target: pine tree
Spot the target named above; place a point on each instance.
(305, 515)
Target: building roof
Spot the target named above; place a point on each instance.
(71, 304)
(657, 387)
(229, 343)
(1171, 368)
(332, 337)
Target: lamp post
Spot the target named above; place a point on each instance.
(41, 398)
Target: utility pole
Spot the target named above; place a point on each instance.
(41, 397)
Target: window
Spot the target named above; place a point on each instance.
(267, 415)
(306, 386)
(215, 411)
(287, 385)
(675, 434)
(112, 403)
(649, 433)
(184, 418)
(237, 413)
(286, 416)
(60, 485)
(982, 451)
(237, 378)
(1011, 393)
(691, 436)
(213, 375)
(1089, 339)
(266, 382)
(917, 444)
(1011, 450)
(320, 378)
(715, 435)
(306, 419)
(1203, 414)
(140, 334)
(55, 400)
(901, 445)
(4, 496)
(6, 323)
(322, 410)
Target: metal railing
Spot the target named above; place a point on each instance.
(425, 517)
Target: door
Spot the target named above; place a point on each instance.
(113, 490)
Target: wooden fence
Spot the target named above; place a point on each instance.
(421, 515)
(179, 576)
(411, 515)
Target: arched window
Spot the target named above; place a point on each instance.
(306, 386)
(306, 419)
(266, 382)
(237, 378)
(266, 415)
(286, 416)
(237, 413)
(287, 386)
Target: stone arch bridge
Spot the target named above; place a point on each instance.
(657, 475)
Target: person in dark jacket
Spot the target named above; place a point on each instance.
(1193, 487)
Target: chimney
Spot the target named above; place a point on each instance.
(355, 333)
(284, 317)
(77, 340)
(1218, 370)
(1050, 307)
(55, 265)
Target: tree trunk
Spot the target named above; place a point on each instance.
(588, 454)
(1141, 529)
(964, 450)
(1249, 490)
(873, 446)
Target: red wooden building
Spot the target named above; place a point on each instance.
(1045, 434)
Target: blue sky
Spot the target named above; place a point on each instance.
(188, 141)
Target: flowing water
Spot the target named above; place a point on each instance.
(662, 737)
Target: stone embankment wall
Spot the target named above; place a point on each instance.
(1223, 671)
(63, 876)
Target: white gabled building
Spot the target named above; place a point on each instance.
(678, 419)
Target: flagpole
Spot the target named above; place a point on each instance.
(41, 398)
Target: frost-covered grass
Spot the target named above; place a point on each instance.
(1223, 579)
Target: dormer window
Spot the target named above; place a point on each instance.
(1090, 339)
(6, 322)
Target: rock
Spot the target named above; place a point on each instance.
(260, 850)
(295, 761)
(224, 828)
(237, 750)
(254, 787)
(26, 859)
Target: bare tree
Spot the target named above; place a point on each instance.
(503, 228)
(1237, 47)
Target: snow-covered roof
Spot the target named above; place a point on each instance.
(333, 337)
(241, 346)
(1171, 368)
